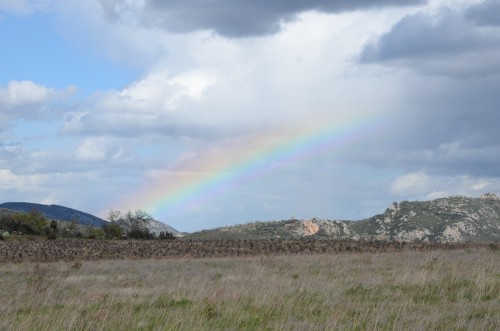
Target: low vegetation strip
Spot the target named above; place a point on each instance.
(405, 290)
(87, 249)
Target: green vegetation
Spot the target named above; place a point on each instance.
(131, 225)
(31, 223)
(112, 230)
(135, 224)
(452, 219)
(34, 224)
(409, 290)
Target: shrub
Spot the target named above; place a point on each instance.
(51, 236)
(94, 233)
(53, 226)
(166, 236)
(112, 230)
(32, 222)
(141, 234)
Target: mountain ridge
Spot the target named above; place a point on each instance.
(56, 212)
(452, 219)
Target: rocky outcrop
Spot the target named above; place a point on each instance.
(453, 219)
(448, 220)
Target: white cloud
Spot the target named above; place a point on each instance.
(217, 90)
(50, 199)
(10, 181)
(302, 74)
(159, 92)
(156, 104)
(414, 183)
(419, 185)
(31, 101)
(99, 149)
(91, 150)
(24, 93)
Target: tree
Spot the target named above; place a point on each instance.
(51, 232)
(53, 226)
(32, 222)
(114, 215)
(112, 230)
(72, 229)
(134, 223)
(138, 224)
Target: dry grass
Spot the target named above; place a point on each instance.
(409, 290)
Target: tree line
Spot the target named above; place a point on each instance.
(128, 225)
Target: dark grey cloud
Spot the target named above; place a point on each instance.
(447, 42)
(446, 121)
(237, 18)
(486, 13)
(445, 126)
(422, 35)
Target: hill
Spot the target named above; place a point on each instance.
(156, 227)
(56, 212)
(452, 219)
(65, 214)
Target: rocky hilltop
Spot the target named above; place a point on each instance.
(156, 227)
(452, 219)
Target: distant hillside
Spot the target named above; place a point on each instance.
(452, 219)
(153, 226)
(56, 212)
(286, 229)
(157, 227)
(68, 214)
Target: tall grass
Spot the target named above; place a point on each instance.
(443, 290)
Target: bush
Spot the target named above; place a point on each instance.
(32, 222)
(94, 233)
(112, 230)
(166, 236)
(51, 236)
(141, 234)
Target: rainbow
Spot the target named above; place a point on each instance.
(203, 176)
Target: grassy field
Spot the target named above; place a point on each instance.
(409, 290)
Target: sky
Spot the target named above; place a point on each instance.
(220, 112)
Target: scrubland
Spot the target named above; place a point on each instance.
(401, 290)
